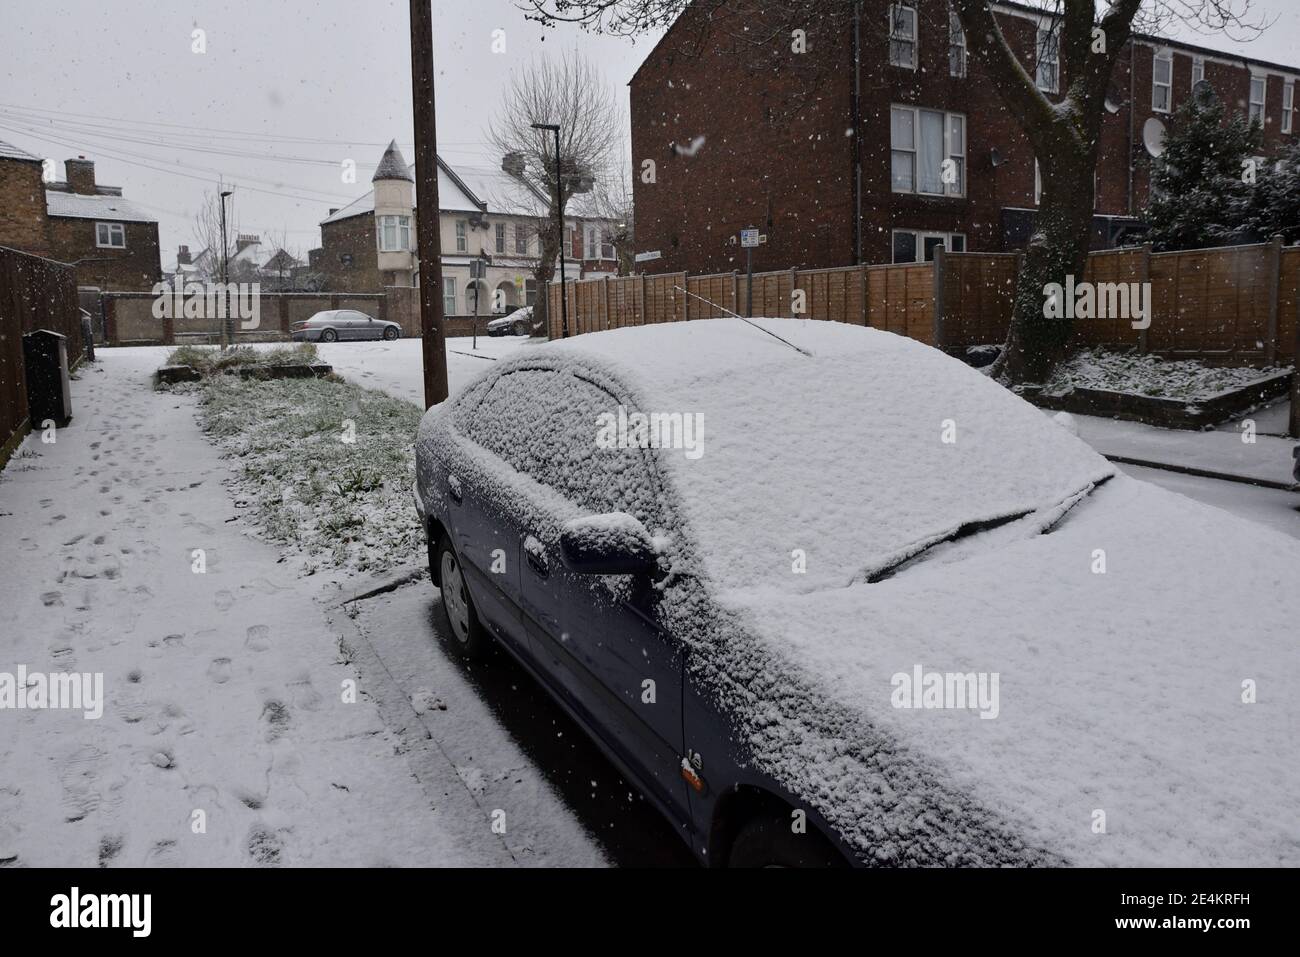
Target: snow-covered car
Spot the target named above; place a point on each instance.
(825, 594)
(332, 325)
(517, 323)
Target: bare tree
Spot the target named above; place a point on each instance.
(207, 236)
(572, 93)
(611, 202)
(1087, 38)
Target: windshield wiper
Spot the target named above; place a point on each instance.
(1056, 514)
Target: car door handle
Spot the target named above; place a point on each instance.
(535, 554)
(453, 489)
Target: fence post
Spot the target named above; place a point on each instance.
(1274, 298)
(939, 269)
(866, 311)
(642, 311)
(1151, 308)
(606, 291)
(735, 291)
(794, 284)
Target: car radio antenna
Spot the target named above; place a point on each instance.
(743, 319)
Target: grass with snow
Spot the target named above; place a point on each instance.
(331, 503)
(209, 360)
(1148, 375)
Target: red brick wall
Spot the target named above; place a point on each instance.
(355, 237)
(793, 178)
(22, 207)
(135, 268)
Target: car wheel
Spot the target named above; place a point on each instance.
(768, 840)
(521, 328)
(468, 637)
(390, 333)
(328, 335)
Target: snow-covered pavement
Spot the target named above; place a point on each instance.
(396, 367)
(230, 732)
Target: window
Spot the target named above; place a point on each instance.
(606, 246)
(590, 243)
(908, 243)
(928, 152)
(1288, 105)
(394, 234)
(521, 239)
(902, 36)
(448, 296)
(1162, 80)
(544, 424)
(1198, 70)
(1257, 90)
(112, 235)
(462, 237)
(500, 236)
(956, 45)
(1049, 60)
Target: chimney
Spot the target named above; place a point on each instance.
(183, 256)
(245, 240)
(80, 173)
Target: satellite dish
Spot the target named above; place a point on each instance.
(995, 158)
(1111, 106)
(1153, 136)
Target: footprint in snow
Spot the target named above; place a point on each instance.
(219, 670)
(224, 600)
(265, 847)
(258, 638)
(276, 716)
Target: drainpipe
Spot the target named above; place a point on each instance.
(1132, 107)
(857, 133)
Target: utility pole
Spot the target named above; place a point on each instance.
(559, 225)
(428, 240)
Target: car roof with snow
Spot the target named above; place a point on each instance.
(852, 447)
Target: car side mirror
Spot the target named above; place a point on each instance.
(611, 544)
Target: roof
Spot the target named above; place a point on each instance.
(392, 165)
(9, 151)
(77, 206)
(468, 189)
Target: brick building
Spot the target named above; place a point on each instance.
(113, 244)
(837, 169)
(370, 243)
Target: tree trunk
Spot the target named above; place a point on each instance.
(1058, 248)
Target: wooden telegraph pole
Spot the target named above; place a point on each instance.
(428, 240)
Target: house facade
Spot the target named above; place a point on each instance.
(112, 243)
(838, 167)
(485, 214)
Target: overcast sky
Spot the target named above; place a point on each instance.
(293, 88)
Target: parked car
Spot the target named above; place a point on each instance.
(826, 595)
(335, 324)
(517, 323)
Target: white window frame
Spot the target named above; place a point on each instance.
(394, 234)
(956, 45)
(1262, 103)
(462, 236)
(449, 295)
(1288, 104)
(919, 236)
(951, 150)
(105, 233)
(521, 239)
(499, 238)
(1167, 86)
(899, 41)
(1048, 39)
(1198, 70)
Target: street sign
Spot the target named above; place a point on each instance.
(750, 238)
(646, 257)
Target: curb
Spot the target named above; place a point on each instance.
(1205, 473)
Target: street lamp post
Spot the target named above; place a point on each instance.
(225, 266)
(559, 225)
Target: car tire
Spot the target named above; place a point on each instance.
(390, 333)
(328, 335)
(767, 840)
(520, 328)
(465, 633)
